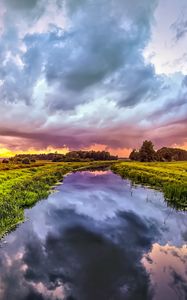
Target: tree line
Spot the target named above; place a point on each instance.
(147, 153)
(68, 157)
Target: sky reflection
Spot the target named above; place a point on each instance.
(97, 237)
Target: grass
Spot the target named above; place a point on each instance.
(170, 178)
(22, 186)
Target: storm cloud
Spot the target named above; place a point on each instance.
(73, 72)
(180, 29)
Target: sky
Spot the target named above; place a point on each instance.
(92, 74)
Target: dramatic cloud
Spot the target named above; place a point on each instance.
(180, 29)
(73, 74)
(21, 4)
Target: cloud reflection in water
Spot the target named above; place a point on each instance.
(97, 237)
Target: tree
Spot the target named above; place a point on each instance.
(134, 155)
(169, 154)
(147, 152)
(26, 161)
(5, 161)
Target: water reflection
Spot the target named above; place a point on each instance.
(167, 266)
(97, 238)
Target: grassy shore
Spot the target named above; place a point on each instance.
(170, 178)
(22, 186)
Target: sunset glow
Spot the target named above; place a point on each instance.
(92, 75)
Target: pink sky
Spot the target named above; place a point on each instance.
(92, 75)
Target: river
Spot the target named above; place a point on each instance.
(97, 237)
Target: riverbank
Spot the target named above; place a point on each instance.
(89, 236)
(170, 178)
(22, 186)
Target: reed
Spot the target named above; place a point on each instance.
(170, 178)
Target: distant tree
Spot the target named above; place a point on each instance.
(165, 154)
(5, 161)
(169, 154)
(147, 152)
(70, 156)
(26, 161)
(134, 155)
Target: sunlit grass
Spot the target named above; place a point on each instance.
(21, 186)
(171, 178)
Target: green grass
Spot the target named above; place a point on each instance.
(170, 178)
(22, 186)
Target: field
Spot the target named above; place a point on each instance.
(170, 178)
(22, 185)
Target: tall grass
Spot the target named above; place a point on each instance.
(170, 178)
(22, 187)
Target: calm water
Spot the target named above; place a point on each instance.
(97, 238)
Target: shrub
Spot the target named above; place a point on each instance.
(26, 161)
(5, 161)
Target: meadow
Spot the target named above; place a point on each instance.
(168, 177)
(22, 186)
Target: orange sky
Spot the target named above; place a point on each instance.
(121, 152)
(5, 152)
(57, 93)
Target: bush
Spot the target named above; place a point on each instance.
(26, 161)
(5, 161)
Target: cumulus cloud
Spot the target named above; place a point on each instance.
(88, 51)
(180, 29)
(22, 4)
(74, 79)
